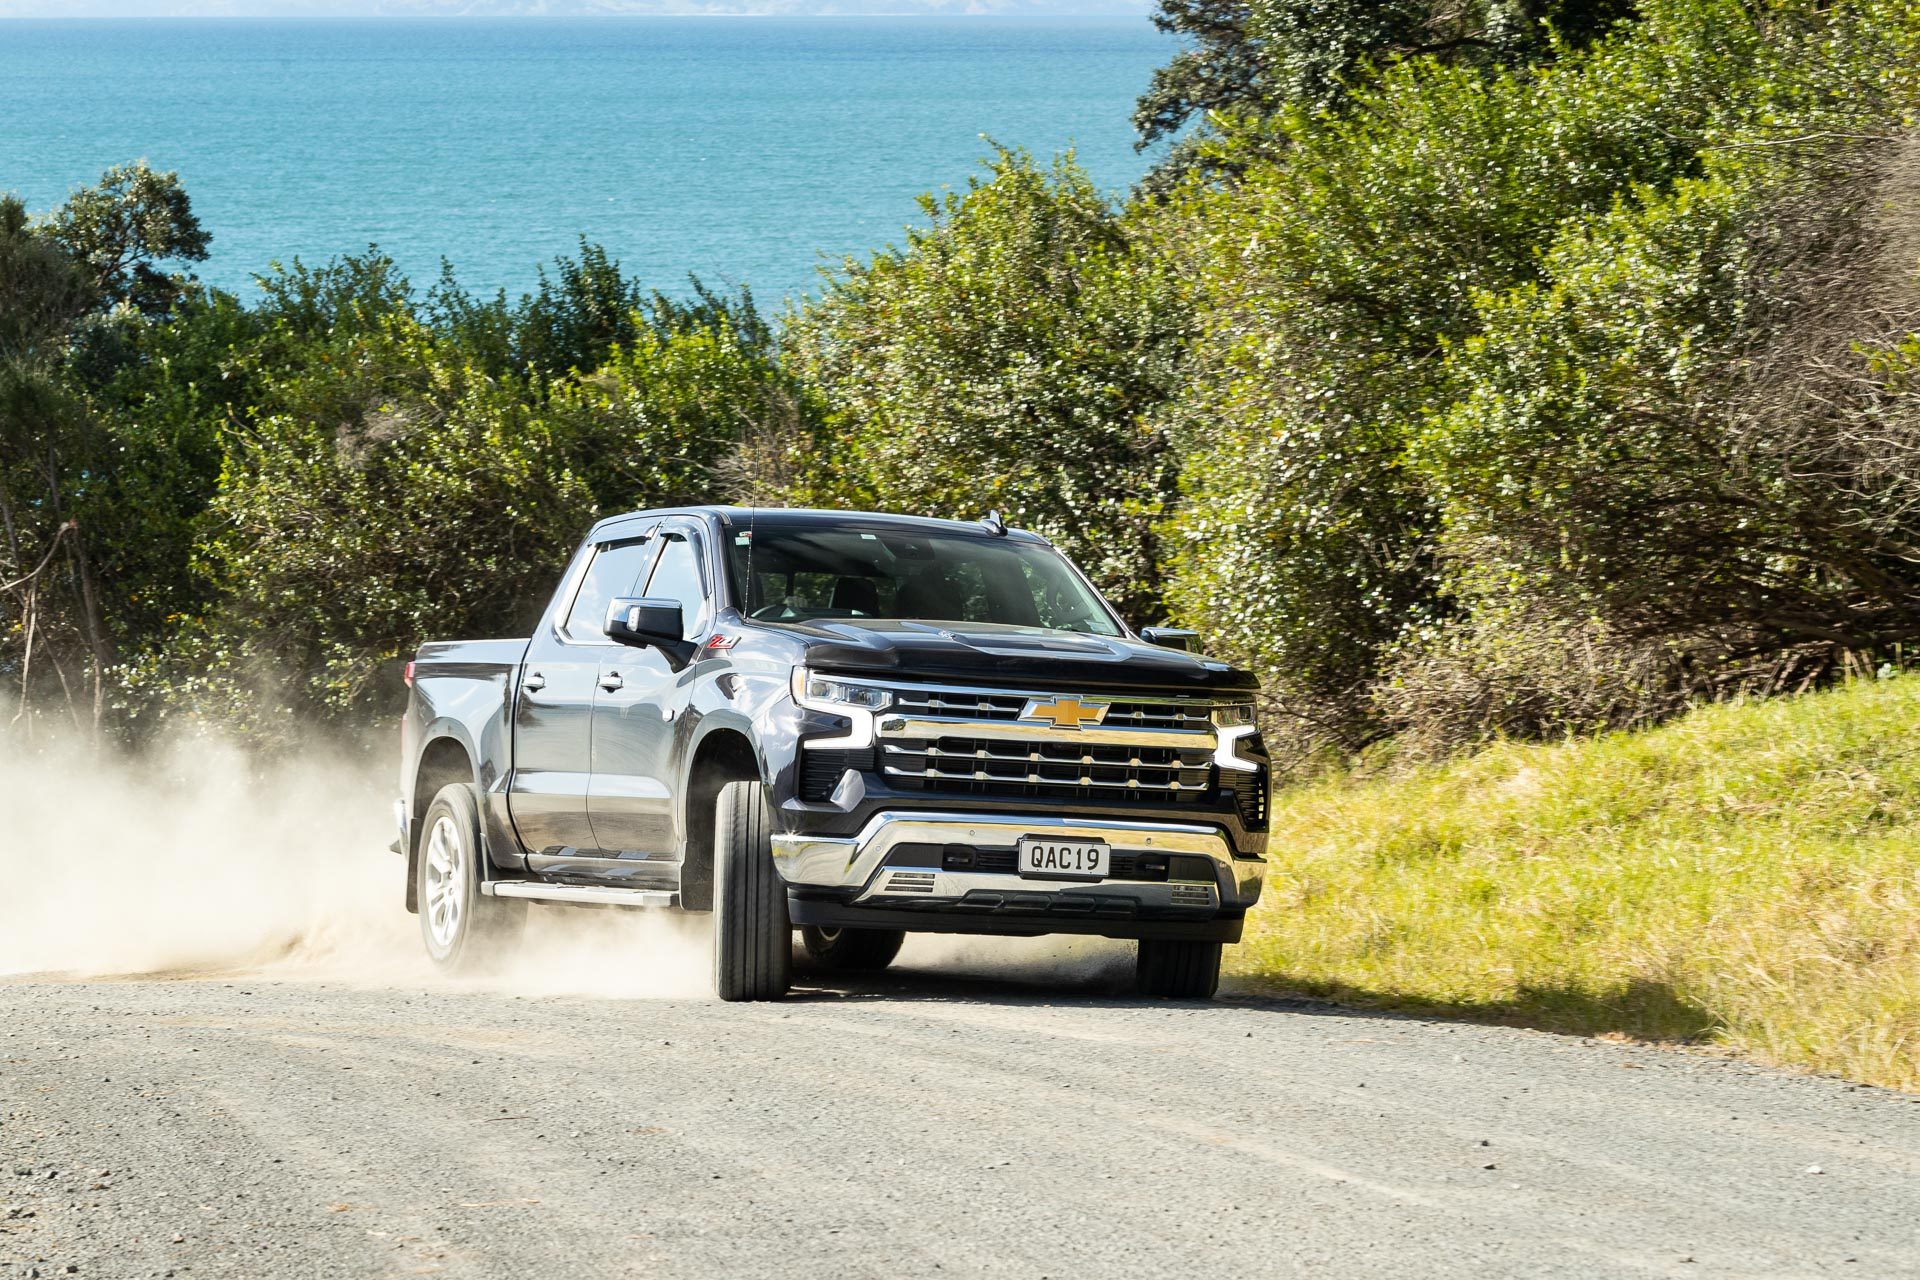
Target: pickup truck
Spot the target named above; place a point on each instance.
(853, 725)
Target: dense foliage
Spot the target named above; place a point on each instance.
(281, 500)
(1516, 366)
(1015, 355)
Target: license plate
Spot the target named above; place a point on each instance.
(1063, 859)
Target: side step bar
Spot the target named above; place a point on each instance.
(610, 895)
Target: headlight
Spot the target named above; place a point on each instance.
(825, 693)
(1226, 715)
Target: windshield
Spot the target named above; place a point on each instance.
(801, 574)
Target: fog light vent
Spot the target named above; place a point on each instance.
(910, 882)
(1191, 895)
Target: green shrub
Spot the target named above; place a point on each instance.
(1480, 310)
(385, 483)
(1014, 355)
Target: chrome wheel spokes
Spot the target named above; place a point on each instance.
(445, 870)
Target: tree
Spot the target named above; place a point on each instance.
(1253, 58)
(124, 228)
(1222, 70)
(1014, 355)
(394, 473)
(56, 460)
(1335, 287)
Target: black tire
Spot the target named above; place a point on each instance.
(1178, 970)
(752, 937)
(852, 950)
(462, 929)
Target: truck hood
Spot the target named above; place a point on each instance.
(1016, 657)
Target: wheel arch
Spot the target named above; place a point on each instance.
(443, 759)
(725, 753)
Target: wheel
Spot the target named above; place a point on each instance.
(852, 950)
(1178, 970)
(462, 929)
(752, 939)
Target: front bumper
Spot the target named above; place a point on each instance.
(892, 874)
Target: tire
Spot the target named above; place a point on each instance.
(752, 938)
(852, 950)
(462, 929)
(1178, 970)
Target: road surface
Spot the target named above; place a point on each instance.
(923, 1124)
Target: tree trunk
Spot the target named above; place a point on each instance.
(97, 640)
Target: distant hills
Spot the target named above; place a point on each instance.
(556, 8)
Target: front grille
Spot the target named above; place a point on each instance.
(951, 703)
(1157, 715)
(1003, 708)
(1066, 769)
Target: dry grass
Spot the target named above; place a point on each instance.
(1748, 875)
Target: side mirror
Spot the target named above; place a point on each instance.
(1170, 637)
(649, 623)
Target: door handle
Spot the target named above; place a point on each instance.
(612, 681)
(534, 682)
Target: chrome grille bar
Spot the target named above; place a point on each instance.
(948, 737)
(1036, 780)
(1069, 753)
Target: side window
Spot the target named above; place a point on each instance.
(614, 572)
(677, 577)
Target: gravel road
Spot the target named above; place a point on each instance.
(927, 1123)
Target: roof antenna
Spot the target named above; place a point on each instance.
(995, 525)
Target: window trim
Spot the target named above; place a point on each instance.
(559, 626)
(690, 534)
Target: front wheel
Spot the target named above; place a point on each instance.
(752, 937)
(461, 928)
(852, 950)
(1178, 970)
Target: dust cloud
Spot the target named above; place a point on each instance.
(197, 859)
(191, 856)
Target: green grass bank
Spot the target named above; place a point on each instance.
(1746, 876)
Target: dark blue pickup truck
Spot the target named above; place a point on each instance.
(852, 725)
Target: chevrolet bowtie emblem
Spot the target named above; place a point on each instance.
(1065, 713)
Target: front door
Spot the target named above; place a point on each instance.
(639, 708)
(553, 712)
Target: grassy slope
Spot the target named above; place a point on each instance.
(1748, 875)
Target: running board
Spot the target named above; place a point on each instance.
(607, 894)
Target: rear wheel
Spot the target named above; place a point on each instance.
(752, 937)
(852, 950)
(1178, 970)
(462, 928)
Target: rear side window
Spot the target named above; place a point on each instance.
(616, 570)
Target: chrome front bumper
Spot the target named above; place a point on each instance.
(862, 864)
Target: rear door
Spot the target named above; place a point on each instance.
(640, 706)
(553, 715)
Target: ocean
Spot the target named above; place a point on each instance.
(744, 150)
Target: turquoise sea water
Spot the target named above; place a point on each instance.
(746, 150)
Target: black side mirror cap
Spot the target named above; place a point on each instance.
(1170, 637)
(651, 623)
